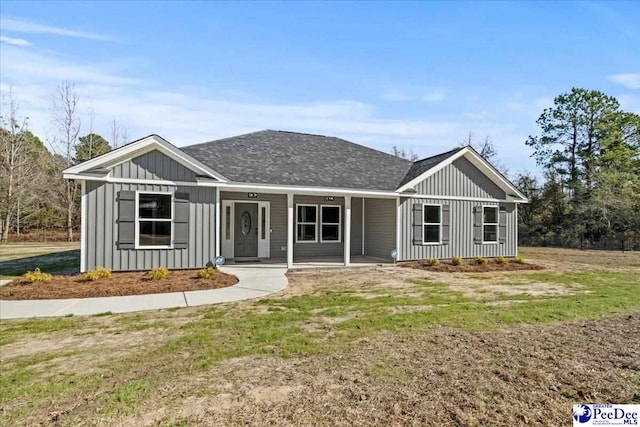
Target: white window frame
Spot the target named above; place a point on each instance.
(339, 223)
(307, 223)
(138, 219)
(424, 222)
(497, 224)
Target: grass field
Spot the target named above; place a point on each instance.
(56, 258)
(359, 346)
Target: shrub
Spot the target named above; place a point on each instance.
(480, 260)
(519, 260)
(456, 260)
(500, 260)
(158, 273)
(37, 276)
(97, 274)
(432, 262)
(208, 273)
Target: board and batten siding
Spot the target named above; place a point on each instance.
(461, 179)
(379, 227)
(461, 242)
(102, 229)
(153, 165)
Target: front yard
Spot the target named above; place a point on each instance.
(359, 346)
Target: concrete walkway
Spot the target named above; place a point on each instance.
(254, 282)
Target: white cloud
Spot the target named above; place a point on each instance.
(14, 41)
(22, 26)
(434, 96)
(191, 115)
(630, 80)
(400, 96)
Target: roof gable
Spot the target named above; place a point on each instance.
(510, 190)
(138, 148)
(153, 165)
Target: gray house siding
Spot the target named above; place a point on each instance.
(102, 230)
(356, 226)
(278, 206)
(461, 241)
(379, 227)
(461, 179)
(153, 165)
(319, 249)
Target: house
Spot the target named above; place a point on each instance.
(291, 197)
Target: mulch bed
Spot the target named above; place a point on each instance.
(120, 283)
(470, 267)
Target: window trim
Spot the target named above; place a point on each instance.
(424, 235)
(339, 223)
(497, 224)
(307, 223)
(138, 219)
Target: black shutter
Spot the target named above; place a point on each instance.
(502, 225)
(181, 220)
(446, 219)
(418, 221)
(126, 220)
(477, 225)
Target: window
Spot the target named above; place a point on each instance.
(432, 223)
(307, 219)
(155, 216)
(227, 223)
(264, 223)
(490, 224)
(330, 223)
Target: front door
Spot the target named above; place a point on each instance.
(246, 230)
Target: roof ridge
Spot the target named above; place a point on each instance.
(455, 150)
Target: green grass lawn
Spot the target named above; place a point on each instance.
(326, 321)
(55, 258)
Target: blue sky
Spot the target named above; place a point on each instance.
(418, 75)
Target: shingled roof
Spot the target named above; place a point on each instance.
(290, 158)
(421, 166)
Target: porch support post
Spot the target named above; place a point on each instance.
(347, 230)
(218, 233)
(290, 230)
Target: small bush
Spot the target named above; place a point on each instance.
(519, 260)
(208, 273)
(500, 260)
(158, 273)
(456, 260)
(97, 274)
(480, 260)
(37, 276)
(432, 262)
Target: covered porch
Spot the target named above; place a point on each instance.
(304, 230)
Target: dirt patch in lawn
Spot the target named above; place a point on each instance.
(527, 375)
(470, 267)
(133, 283)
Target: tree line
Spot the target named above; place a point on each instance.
(33, 195)
(587, 197)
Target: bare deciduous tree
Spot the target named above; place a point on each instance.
(17, 165)
(68, 122)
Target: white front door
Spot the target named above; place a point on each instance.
(230, 231)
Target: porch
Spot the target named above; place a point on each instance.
(306, 230)
(311, 262)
